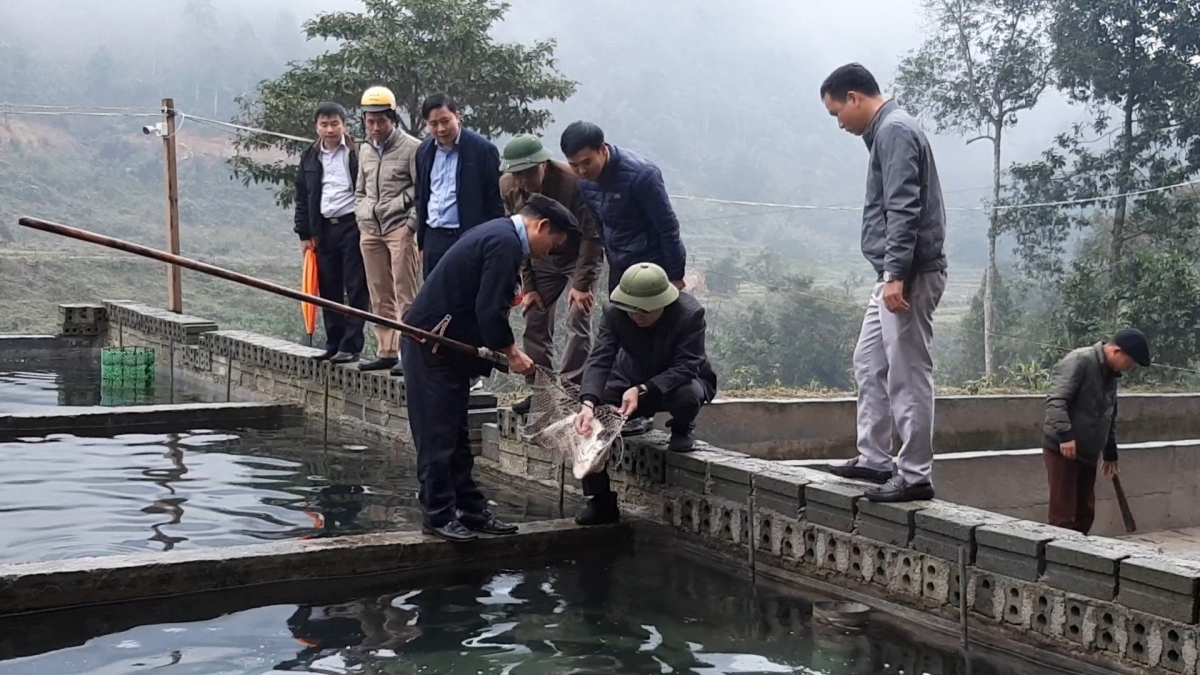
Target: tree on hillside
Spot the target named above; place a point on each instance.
(416, 48)
(986, 61)
(1134, 65)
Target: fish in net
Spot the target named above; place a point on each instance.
(551, 424)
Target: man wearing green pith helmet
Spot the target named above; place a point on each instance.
(649, 357)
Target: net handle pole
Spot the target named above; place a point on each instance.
(498, 360)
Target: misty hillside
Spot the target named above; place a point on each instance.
(723, 97)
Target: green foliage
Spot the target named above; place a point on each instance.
(986, 61)
(798, 336)
(416, 48)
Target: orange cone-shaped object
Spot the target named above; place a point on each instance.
(308, 284)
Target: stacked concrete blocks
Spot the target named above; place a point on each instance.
(1165, 587)
(1016, 549)
(1087, 567)
(832, 504)
(82, 320)
(892, 524)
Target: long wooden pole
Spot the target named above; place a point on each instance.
(500, 362)
(174, 274)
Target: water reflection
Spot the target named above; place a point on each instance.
(72, 378)
(64, 497)
(598, 615)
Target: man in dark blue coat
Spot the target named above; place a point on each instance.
(474, 285)
(458, 180)
(628, 195)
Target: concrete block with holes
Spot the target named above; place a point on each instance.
(1180, 647)
(891, 524)
(832, 550)
(983, 595)
(904, 572)
(939, 580)
(941, 529)
(1162, 586)
(1016, 601)
(1049, 612)
(687, 471)
(1087, 566)
(832, 504)
(1017, 549)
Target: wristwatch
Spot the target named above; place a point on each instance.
(888, 277)
(642, 390)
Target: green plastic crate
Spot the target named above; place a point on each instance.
(132, 365)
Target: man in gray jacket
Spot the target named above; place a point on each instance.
(1081, 424)
(904, 226)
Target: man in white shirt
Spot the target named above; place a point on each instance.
(325, 222)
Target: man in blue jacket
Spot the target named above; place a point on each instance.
(473, 285)
(458, 180)
(628, 195)
(904, 227)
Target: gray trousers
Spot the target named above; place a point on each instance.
(551, 284)
(894, 369)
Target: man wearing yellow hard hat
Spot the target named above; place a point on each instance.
(385, 200)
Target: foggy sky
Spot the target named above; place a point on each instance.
(790, 43)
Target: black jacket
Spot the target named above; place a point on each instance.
(1082, 405)
(309, 175)
(635, 215)
(664, 357)
(478, 185)
(475, 284)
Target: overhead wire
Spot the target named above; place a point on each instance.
(959, 327)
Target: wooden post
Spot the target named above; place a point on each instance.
(174, 275)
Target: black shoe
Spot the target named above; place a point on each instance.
(328, 354)
(897, 490)
(600, 511)
(486, 523)
(451, 531)
(397, 370)
(524, 407)
(381, 363)
(344, 357)
(851, 469)
(636, 426)
(683, 437)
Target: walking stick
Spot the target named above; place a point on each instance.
(1126, 514)
(498, 360)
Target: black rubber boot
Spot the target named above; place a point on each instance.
(600, 510)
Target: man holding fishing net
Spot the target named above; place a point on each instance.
(467, 297)
(649, 357)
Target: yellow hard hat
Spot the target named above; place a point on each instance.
(378, 99)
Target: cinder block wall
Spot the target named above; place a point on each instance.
(1120, 604)
(825, 428)
(240, 365)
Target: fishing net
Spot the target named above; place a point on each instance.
(551, 424)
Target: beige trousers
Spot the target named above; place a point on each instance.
(393, 277)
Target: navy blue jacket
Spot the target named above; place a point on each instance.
(474, 283)
(478, 186)
(635, 215)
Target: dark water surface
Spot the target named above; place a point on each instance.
(72, 378)
(70, 497)
(604, 614)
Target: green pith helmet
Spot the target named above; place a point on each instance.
(644, 288)
(523, 152)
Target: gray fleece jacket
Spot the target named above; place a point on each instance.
(904, 219)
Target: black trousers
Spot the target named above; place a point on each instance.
(342, 278)
(682, 404)
(438, 394)
(438, 240)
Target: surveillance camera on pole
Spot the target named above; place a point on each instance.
(159, 130)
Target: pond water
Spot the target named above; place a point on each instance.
(68, 497)
(622, 614)
(71, 377)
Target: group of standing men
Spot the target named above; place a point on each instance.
(488, 233)
(445, 235)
